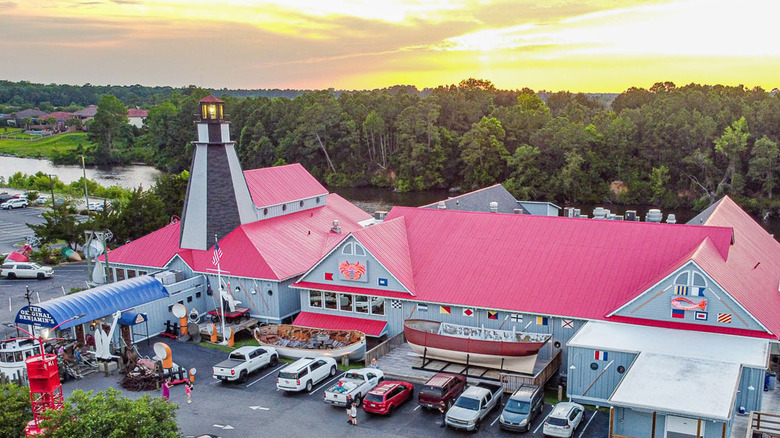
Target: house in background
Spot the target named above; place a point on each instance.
(495, 199)
(136, 117)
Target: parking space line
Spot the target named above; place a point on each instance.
(496, 419)
(540, 425)
(328, 382)
(418, 407)
(588, 423)
(266, 375)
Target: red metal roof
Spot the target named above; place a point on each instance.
(275, 248)
(134, 112)
(751, 273)
(581, 268)
(391, 247)
(280, 184)
(370, 327)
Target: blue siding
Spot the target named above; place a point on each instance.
(750, 399)
(595, 386)
(637, 424)
(655, 304)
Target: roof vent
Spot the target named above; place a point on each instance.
(441, 205)
(518, 211)
(654, 215)
(494, 207)
(671, 219)
(630, 215)
(600, 213)
(336, 226)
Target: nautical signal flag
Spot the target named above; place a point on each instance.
(725, 318)
(468, 312)
(422, 307)
(695, 291)
(445, 310)
(700, 316)
(600, 355)
(516, 317)
(678, 313)
(542, 320)
(492, 314)
(567, 323)
(381, 281)
(329, 276)
(395, 304)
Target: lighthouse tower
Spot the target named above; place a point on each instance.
(218, 198)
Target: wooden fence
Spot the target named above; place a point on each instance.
(384, 348)
(764, 425)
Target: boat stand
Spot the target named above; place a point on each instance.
(437, 365)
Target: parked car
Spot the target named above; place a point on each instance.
(444, 387)
(563, 420)
(95, 206)
(387, 396)
(523, 406)
(473, 406)
(43, 199)
(12, 269)
(304, 373)
(353, 386)
(5, 196)
(14, 203)
(243, 361)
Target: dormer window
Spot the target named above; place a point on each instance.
(352, 248)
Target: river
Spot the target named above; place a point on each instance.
(129, 177)
(369, 199)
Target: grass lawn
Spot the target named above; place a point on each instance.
(44, 148)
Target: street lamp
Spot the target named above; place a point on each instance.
(42, 339)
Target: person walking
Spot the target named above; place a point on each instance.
(443, 412)
(188, 390)
(373, 363)
(353, 413)
(349, 409)
(166, 389)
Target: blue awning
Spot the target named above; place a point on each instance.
(132, 318)
(94, 303)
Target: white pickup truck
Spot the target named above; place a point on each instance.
(354, 385)
(474, 405)
(243, 361)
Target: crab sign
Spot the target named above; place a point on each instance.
(352, 271)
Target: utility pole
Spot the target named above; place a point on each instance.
(51, 187)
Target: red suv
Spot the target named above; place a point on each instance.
(387, 396)
(444, 387)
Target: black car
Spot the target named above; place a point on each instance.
(5, 196)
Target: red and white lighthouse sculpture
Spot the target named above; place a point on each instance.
(45, 389)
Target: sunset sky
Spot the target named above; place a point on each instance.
(575, 45)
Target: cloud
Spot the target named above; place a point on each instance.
(8, 5)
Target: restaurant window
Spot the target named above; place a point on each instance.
(130, 273)
(141, 273)
(345, 302)
(361, 304)
(377, 306)
(315, 298)
(330, 300)
(120, 274)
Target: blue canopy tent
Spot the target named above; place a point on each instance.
(131, 319)
(93, 303)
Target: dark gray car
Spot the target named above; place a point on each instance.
(525, 404)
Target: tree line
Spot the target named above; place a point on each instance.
(666, 145)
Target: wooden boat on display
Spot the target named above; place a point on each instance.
(508, 350)
(295, 342)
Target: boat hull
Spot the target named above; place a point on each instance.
(300, 337)
(517, 354)
(517, 364)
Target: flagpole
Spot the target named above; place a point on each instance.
(221, 300)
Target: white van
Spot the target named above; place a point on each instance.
(305, 373)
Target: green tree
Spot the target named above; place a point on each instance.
(107, 126)
(484, 153)
(659, 178)
(731, 144)
(59, 225)
(764, 164)
(109, 414)
(421, 158)
(16, 410)
(524, 176)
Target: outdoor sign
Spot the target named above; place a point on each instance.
(353, 269)
(35, 315)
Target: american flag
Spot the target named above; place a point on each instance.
(217, 255)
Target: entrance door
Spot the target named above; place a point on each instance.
(681, 427)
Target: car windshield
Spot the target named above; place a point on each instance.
(283, 375)
(467, 403)
(434, 391)
(354, 376)
(517, 406)
(373, 398)
(35, 266)
(557, 421)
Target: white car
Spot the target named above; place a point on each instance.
(305, 373)
(14, 203)
(95, 206)
(563, 420)
(43, 199)
(12, 269)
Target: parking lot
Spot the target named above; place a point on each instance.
(257, 409)
(13, 226)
